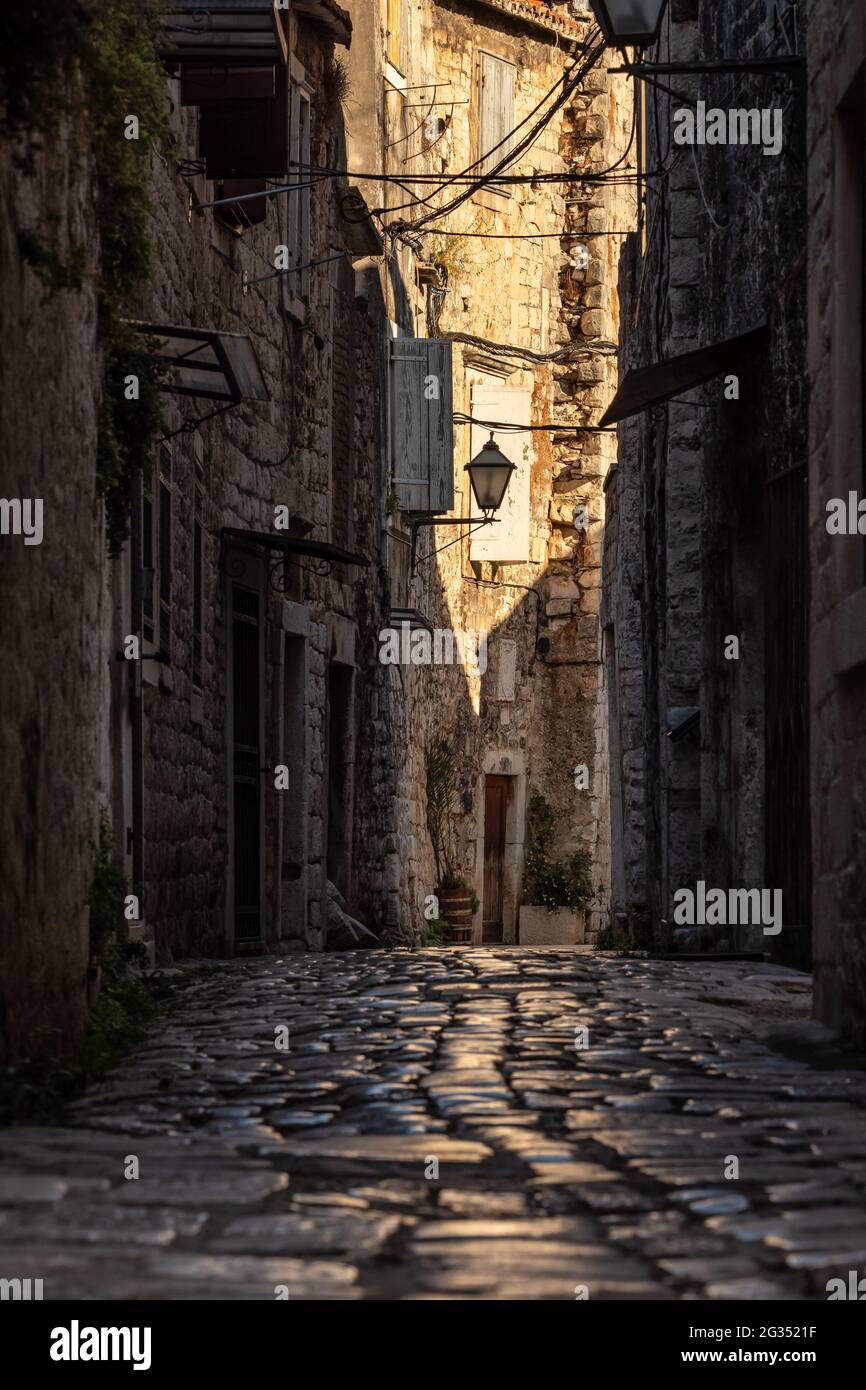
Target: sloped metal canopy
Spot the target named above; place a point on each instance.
(293, 545)
(203, 362)
(646, 386)
(359, 235)
(416, 619)
(224, 31)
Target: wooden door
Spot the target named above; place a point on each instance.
(788, 838)
(495, 807)
(246, 756)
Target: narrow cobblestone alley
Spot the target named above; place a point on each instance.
(563, 1172)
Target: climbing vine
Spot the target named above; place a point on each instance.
(107, 52)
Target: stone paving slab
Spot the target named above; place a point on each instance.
(433, 1131)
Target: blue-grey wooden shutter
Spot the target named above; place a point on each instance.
(422, 425)
(496, 112)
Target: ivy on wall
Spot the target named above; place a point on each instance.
(107, 52)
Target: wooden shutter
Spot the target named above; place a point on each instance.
(496, 111)
(299, 202)
(507, 541)
(199, 84)
(422, 430)
(246, 137)
(393, 38)
(249, 213)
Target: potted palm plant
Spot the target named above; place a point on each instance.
(558, 890)
(454, 894)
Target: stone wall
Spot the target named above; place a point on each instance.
(314, 449)
(689, 546)
(836, 54)
(527, 314)
(54, 612)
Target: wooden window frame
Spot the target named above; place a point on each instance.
(299, 203)
(163, 549)
(487, 143)
(197, 651)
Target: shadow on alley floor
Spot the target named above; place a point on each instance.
(437, 1130)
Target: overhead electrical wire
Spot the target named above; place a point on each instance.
(509, 427)
(569, 83)
(519, 236)
(444, 182)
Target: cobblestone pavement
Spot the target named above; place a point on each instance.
(264, 1173)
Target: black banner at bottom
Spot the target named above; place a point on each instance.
(167, 1339)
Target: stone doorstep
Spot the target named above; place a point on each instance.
(539, 927)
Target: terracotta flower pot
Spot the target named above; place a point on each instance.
(455, 906)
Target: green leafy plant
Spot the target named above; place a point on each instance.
(554, 883)
(92, 64)
(127, 430)
(40, 1088)
(604, 940)
(55, 274)
(433, 932)
(461, 882)
(441, 761)
(392, 504)
(107, 894)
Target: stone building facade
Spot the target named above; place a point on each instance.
(705, 566)
(230, 712)
(837, 253)
(514, 280)
(55, 612)
(266, 733)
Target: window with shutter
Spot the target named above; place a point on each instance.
(422, 426)
(298, 202)
(197, 582)
(245, 135)
(165, 574)
(496, 112)
(248, 211)
(507, 541)
(393, 33)
(148, 530)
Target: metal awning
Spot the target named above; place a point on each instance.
(292, 545)
(359, 235)
(336, 21)
(646, 386)
(224, 31)
(416, 620)
(203, 362)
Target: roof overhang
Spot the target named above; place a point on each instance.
(336, 21)
(203, 362)
(538, 15)
(224, 31)
(291, 545)
(359, 234)
(411, 616)
(643, 387)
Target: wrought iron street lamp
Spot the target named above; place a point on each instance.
(490, 473)
(635, 22)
